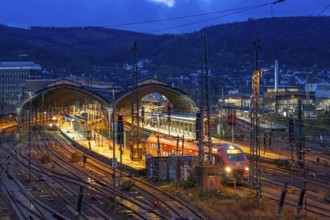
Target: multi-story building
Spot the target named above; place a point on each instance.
(12, 83)
(322, 94)
(285, 101)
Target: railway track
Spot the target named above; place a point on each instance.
(143, 191)
(314, 208)
(274, 176)
(63, 180)
(40, 189)
(271, 188)
(25, 205)
(96, 183)
(165, 208)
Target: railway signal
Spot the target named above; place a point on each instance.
(120, 130)
(114, 162)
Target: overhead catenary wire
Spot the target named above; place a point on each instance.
(62, 29)
(134, 34)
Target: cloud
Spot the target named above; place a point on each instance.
(168, 3)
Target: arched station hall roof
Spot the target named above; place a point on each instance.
(180, 100)
(64, 92)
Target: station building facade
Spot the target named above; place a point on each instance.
(13, 76)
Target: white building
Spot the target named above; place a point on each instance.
(322, 94)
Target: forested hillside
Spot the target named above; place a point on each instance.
(296, 41)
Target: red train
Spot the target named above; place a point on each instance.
(231, 118)
(230, 158)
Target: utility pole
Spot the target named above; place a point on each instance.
(135, 126)
(158, 147)
(219, 130)
(182, 153)
(205, 104)
(232, 128)
(30, 133)
(307, 94)
(199, 137)
(255, 180)
(301, 141)
(177, 145)
(43, 112)
(88, 127)
(291, 136)
(120, 141)
(114, 159)
(169, 107)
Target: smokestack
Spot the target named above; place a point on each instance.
(276, 75)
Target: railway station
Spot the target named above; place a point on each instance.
(88, 112)
(186, 117)
(83, 111)
(89, 115)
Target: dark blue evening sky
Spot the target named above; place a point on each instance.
(115, 13)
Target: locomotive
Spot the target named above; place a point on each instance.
(230, 158)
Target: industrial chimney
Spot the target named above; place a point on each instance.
(276, 75)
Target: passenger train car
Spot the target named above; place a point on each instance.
(230, 158)
(231, 118)
(54, 124)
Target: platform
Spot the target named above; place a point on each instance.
(103, 147)
(265, 124)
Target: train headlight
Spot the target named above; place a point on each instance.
(246, 169)
(227, 169)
